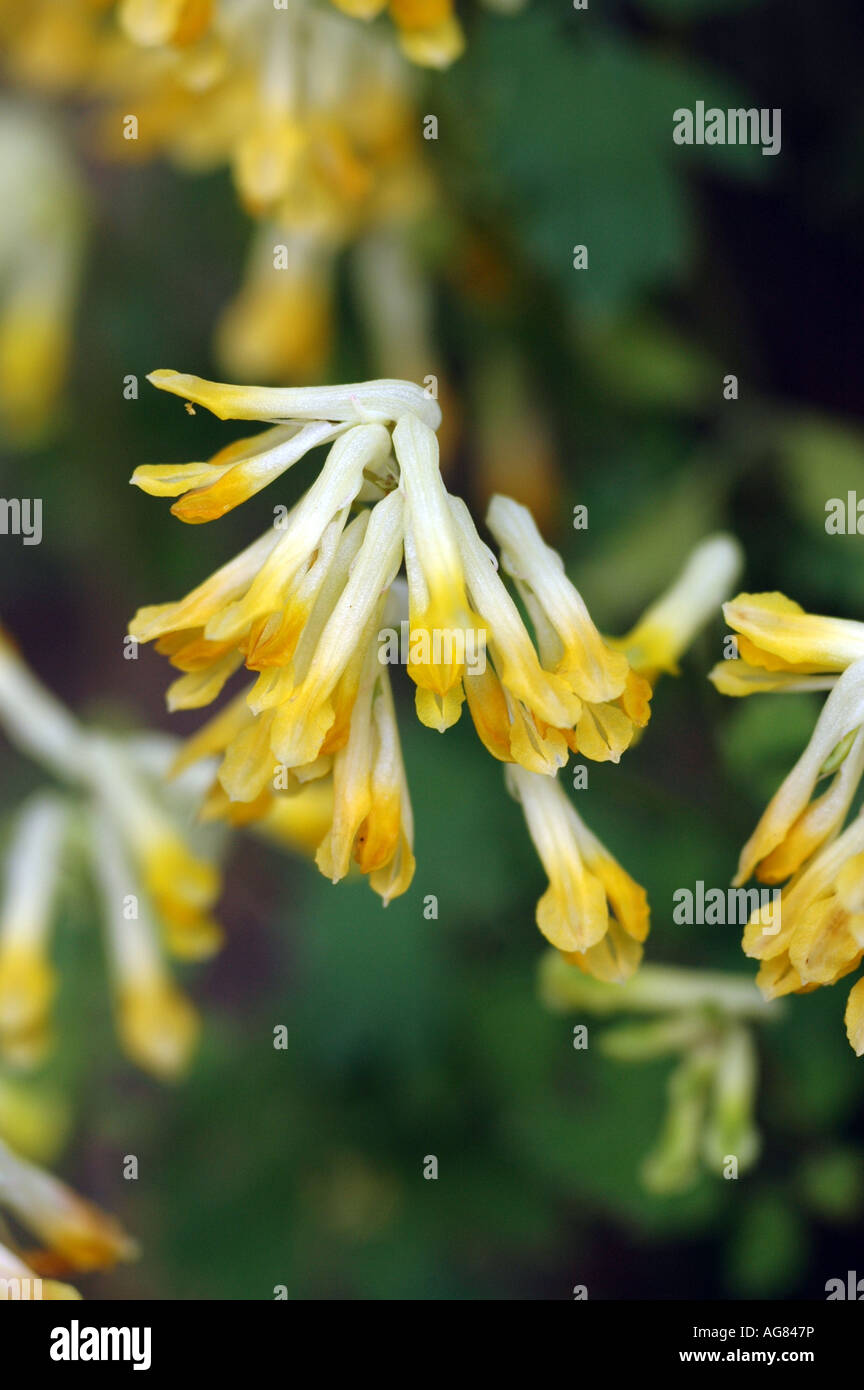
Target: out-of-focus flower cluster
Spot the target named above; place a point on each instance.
(314, 114)
(153, 870)
(703, 1019)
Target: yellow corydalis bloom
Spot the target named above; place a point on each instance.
(157, 871)
(84, 1237)
(314, 115)
(782, 647)
(27, 978)
(592, 911)
(429, 32)
(800, 841)
(438, 602)
(611, 700)
(372, 821)
(19, 1282)
(158, 1026)
(277, 328)
(821, 929)
(667, 627)
(304, 605)
(154, 22)
(182, 886)
(41, 241)
(793, 825)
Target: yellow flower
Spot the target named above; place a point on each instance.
(40, 254)
(438, 602)
(27, 977)
(278, 327)
(429, 32)
(372, 818)
(82, 1235)
(159, 877)
(314, 115)
(592, 911)
(18, 1281)
(521, 711)
(793, 826)
(611, 679)
(305, 605)
(668, 626)
(781, 647)
(821, 928)
(152, 22)
(800, 840)
(610, 701)
(157, 1025)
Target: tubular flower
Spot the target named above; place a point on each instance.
(800, 841)
(159, 881)
(598, 678)
(305, 608)
(429, 32)
(18, 1281)
(594, 913)
(821, 935)
(75, 1233)
(27, 979)
(40, 251)
(278, 326)
(705, 1021)
(781, 647)
(668, 626)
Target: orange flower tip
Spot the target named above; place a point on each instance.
(195, 511)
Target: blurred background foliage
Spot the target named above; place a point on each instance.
(406, 1036)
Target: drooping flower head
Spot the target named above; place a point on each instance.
(305, 607)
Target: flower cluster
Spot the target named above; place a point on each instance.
(313, 114)
(304, 607)
(114, 814)
(800, 840)
(704, 1020)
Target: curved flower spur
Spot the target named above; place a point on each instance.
(303, 606)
